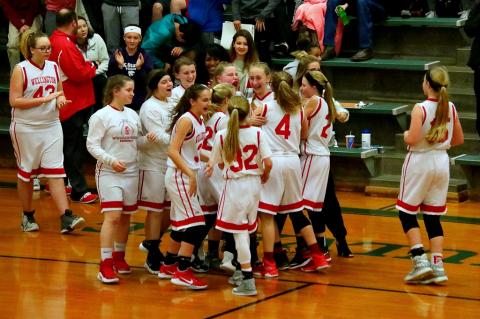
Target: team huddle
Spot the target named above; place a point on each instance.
(210, 162)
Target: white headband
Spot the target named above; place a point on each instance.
(132, 28)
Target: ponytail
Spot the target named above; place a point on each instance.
(324, 88)
(288, 100)
(438, 80)
(238, 108)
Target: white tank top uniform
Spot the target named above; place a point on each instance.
(152, 157)
(282, 193)
(36, 132)
(426, 169)
(260, 101)
(315, 158)
(185, 211)
(210, 188)
(113, 136)
(242, 178)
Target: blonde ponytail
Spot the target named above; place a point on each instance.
(288, 100)
(438, 80)
(238, 108)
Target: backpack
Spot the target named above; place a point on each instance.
(448, 8)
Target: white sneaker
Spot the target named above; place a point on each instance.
(421, 269)
(438, 276)
(36, 184)
(29, 224)
(227, 262)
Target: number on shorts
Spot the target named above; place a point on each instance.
(247, 164)
(283, 128)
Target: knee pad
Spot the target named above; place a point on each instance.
(433, 226)
(280, 220)
(318, 221)
(176, 236)
(194, 235)
(299, 221)
(409, 221)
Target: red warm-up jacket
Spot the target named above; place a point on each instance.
(75, 73)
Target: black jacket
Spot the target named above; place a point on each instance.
(472, 29)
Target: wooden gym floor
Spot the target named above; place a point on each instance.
(48, 275)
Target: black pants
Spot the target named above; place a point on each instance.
(74, 152)
(332, 211)
(476, 88)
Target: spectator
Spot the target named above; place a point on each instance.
(367, 11)
(76, 74)
(117, 14)
(94, 49)
(93, 9)
(207, 61)
(169, 38)
(22, 16)
(133, 62)
(208, 14)
(472, 29)
(304, 48)
(53, 6)
(243, 54)
(153, 10)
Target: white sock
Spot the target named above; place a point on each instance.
(106, 253)
(416, 246)
(437, 258)
(119, 246)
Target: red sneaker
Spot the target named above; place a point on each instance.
(187, 279)
(270, 269)
(327, 256)
(119, 263)
(318, 262)
(258, 270)
(107, 274)
(87, 198)
(167, 271)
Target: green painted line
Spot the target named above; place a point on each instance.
(383, 213)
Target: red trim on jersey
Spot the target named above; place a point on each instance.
(215, 125)
(262, 98)
(313, 205)
(180, 192)
(308, 173)
(404, 173)
(221, 140)
(433, 209)
(24, 174)
(56, 72)
(209, 209)
(264, 111)
(199, 120)
(188, 221)
(317, 109)
(432, 99)
(36, 65)
(454, 112)
(189, 136)
(25, 79)
(244, 126)
(153, 205)
(258, 139)
(424, 114)
(231, 226)
(407, 206)
(188, 197)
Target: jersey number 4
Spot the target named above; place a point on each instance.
(283, 128)
(247, 163)
(39, 93)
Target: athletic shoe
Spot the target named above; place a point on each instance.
(227, 262)
(236, 278)
(258, 270)
(300, 259)
(68, 222)
(120, 264)
(343, 250)
(421, 269)
(68, 189)
(438, 275)
(87, 198)
(107, 274)
(246, 288)
(153, 261)
(317, 263)
(167, 271)
(199, 266)
(327, 256)
(270, 270)
(29, 223)
(281, 260)
(36, 184)
(187, 279)
(143, 246)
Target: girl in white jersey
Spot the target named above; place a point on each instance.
(184, 71)
(320, 114)
(282, 193)
(187, 220)
(244, 154)
(434, 128)
(155, 118)
(36, 96)
(112, 140)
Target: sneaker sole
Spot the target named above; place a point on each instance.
(162, 275)
(239, 293)
(269, 276)
(142, 248)
(30, 230)
(78, 223)
(323, 267)
(124, 272)
(199, 271)
(419, 277)
(300, 265)
(150, 270)
(230, 267)
(178, 282)
(435, 280)
(107, 281)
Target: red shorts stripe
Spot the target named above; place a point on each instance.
(52, 171)
(407, 206)
(433, 209)
(130, 208)
(188, 221)
(148, 204)
(311, 204)
(112, 204)
(230, 226)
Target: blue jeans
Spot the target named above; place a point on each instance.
(367, 10)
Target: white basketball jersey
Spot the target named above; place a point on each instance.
(283, 130)
(319, 131)
(38, 82)
(216, 123)
(253, 149)
(259, 102)
(429, 107)
(190, 149)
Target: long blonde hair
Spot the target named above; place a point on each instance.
(28, 40)
(288, 100)
(320, 81)
(238, 108)
(220, 92)
(438, 80)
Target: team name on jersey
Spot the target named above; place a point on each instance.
(43, 80)
(128, 134)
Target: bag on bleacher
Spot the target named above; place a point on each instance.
(416, 8)
(448, 8)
